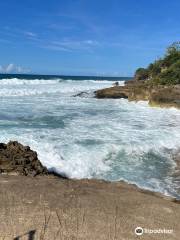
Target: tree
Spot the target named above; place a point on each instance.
(163, 71)
(141, 74)
(173, 48)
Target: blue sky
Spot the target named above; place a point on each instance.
(85, 37)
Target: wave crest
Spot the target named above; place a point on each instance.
(17, 81)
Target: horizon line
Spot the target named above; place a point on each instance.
(62, 75)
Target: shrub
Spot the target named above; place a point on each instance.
(141, 74)
(163, 71)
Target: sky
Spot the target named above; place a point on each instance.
(85, 37)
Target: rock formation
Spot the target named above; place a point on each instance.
(19, 160)
(164, 96)
(159, 83)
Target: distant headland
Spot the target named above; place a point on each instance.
(159, 83)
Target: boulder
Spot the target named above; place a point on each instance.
(20, 160)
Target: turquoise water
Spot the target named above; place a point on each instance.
(112, 139)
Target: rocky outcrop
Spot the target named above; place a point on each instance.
(159, 83)
(17, 159)
(131, 91)
(164, 96)
(112, 92)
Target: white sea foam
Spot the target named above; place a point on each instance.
(121, 83)
(16, 81)
(87, 137)
(23, 87)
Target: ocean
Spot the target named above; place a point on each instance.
(85, 137)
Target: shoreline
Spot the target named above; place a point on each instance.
(36, 204)
(157, 96)
(19, 160)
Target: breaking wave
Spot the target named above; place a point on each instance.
(17, 81)
(92, 138)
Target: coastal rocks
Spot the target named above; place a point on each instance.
(131, 91)
(164, 96)
(81, 94)
(112, 92)
(84, 94)
(17, 159)
(116, 84)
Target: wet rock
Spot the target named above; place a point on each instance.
(20, 160)
(81, 94)
(84, 94)
(116, 84)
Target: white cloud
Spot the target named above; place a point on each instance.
(30, 34)
(70, 45)
(12, 68)
(9, 68)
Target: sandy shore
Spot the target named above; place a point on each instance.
(50, 208)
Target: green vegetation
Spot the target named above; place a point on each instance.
(165, 71)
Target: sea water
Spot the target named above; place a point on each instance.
(85, 137)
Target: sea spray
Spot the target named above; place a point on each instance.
(112, 139)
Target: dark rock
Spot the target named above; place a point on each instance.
(21, 160)
(83, 94)
(2, 146)
(116, 84)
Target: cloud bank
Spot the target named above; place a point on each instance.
(12, 68)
